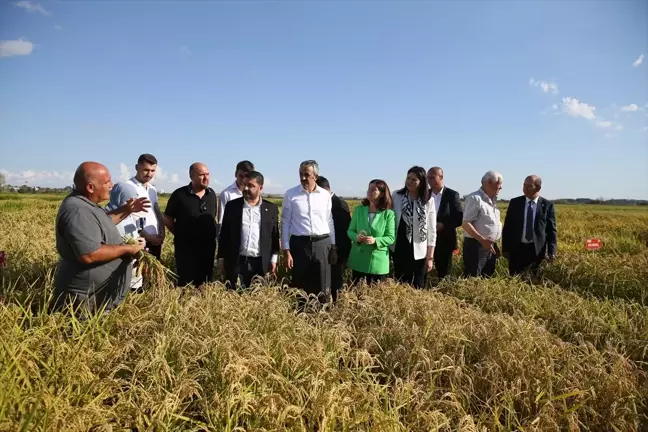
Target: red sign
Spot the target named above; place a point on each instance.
(593, 244)
(3, 259)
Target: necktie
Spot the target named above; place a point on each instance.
(528, 232)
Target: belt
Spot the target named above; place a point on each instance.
(312, 238)
(245, 258)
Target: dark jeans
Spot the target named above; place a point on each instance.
(443, 261)
(358, 277)
(478, 261)
(311, 269)
(523, 258)
(195, 265)
(246, 269)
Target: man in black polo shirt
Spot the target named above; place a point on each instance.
(191, 216)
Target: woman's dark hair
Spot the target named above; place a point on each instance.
(385, 199)
(423, 193)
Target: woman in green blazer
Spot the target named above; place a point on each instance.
(372, 231)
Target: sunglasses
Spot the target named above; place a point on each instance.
(203, 206)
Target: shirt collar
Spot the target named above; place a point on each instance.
(233, 187)
(139, 183)
(191, 191)
(535, 200)
(491, 201)
(247, 205)
(440, 192)
(317, 189)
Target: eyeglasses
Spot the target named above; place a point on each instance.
(203, 206)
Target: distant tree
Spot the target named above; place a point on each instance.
(2, 182)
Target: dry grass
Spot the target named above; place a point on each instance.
(388, 358)
(476, 356)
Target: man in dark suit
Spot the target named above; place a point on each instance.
(248, 244)
(341, 220)
(449, 217)
(529, 231)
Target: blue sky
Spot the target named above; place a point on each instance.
(368, 89)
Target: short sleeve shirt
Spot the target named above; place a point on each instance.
(82, 227)
(124, 191)
(194, 217)
(482, 212)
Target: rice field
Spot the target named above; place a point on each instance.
(468, 355)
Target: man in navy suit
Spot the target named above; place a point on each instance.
(529, 232)
(449, 218)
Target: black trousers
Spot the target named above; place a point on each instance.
(195, 265)
(523, 258)
(407, 269)
(245, 270)
(311, 269)
(443, 260)
(337, 277)
(478, 261)
(358, 277)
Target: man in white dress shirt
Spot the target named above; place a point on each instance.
(235, 190)
(308, 233)
(248, 245)
(148, 223)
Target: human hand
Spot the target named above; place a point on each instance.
(429, 265)
(439, 226)
(273, 268)
(136, 205)
(369, 240)
(288, 259)
(486, 243)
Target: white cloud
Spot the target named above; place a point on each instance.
(58, 27)
(631, 108)
(124, 172)
(185, 50)
(38, 178)
(638, 61)
(32, 7)
(547, 87)
(18, 47)
(575, 108)
(175, 179)
(604, 124)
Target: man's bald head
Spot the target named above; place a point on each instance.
(532, 186)
(199, 174)
(435, 179)
(92, 179)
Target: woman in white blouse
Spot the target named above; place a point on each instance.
(413, 251)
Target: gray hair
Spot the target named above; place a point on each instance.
(492, 177)
(310, 163)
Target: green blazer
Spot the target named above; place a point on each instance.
(374, 258)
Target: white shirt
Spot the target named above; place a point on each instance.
(484, 215)
(151, 225)
(306, 213)
(437, 199)
(251, 232)
(526, 209)
(230, 193)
